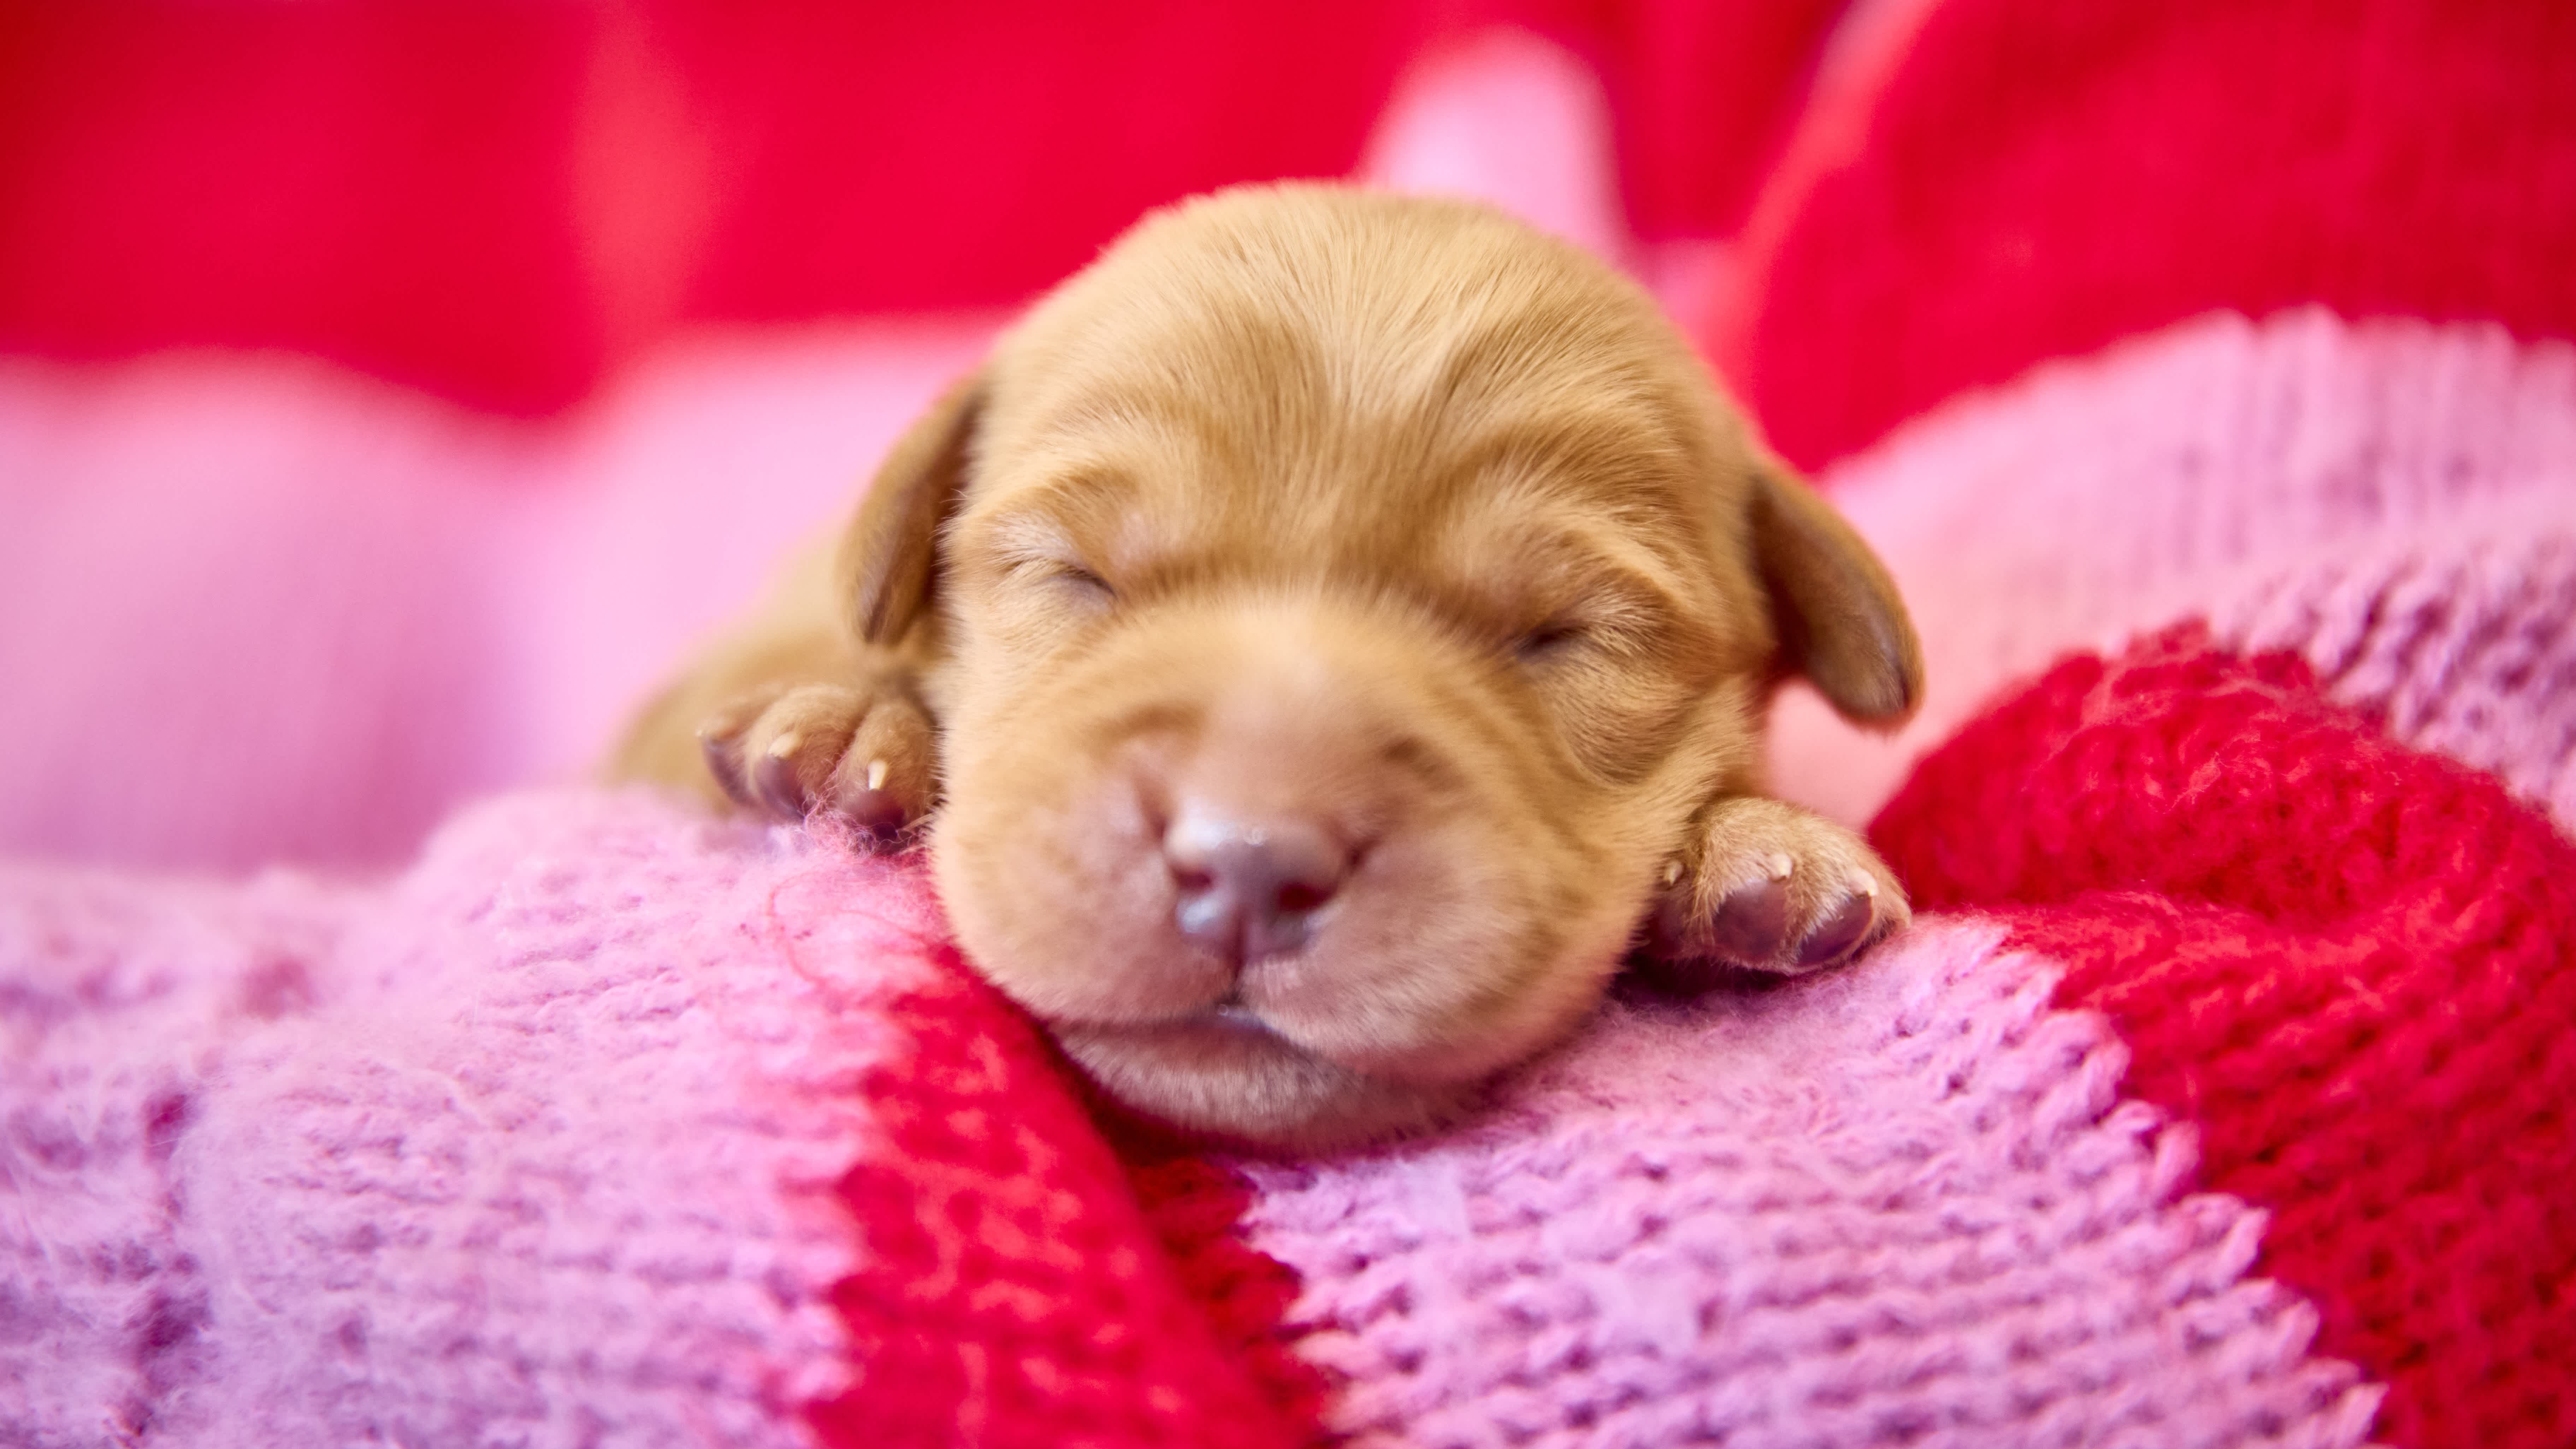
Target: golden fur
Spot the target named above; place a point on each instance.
(1389, 519)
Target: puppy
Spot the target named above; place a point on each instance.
(1320, 640)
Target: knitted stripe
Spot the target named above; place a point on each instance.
(551, 1142)
(1013, 1294)
(1903, 1204)
(2346, 960)
(1195, 1205)
(2392, 499)
(2462, 642)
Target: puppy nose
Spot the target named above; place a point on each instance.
(1248, 889)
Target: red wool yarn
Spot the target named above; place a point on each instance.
(2345, 960)
(1012, 1291)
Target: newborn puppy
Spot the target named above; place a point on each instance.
(1320, 640)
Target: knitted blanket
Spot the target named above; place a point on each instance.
(602, 1125)
(604, 1121)
(607, 1126)
(2218, 1096)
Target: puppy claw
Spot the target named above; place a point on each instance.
(1780, 865)
(1839, 935)
(876, 775)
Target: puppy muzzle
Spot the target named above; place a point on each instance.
(1277, 828)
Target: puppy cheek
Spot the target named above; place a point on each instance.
(1053, 878)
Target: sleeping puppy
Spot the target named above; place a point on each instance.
(1319, 641)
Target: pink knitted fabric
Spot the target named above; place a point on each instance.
(1901, 1205)
(540, 1144)
(552, 1143)
(2394, 500)
(536, 1147)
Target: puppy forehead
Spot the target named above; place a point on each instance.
(1410, 448)
(1432, 495)
(1321, 378)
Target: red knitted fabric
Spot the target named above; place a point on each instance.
(2035, 180)
(2347, 961)
(1196, 1208)
(1012, 1294)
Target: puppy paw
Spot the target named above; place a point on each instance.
(864, 754)
(1769, 887)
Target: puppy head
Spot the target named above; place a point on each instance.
(1342, 602)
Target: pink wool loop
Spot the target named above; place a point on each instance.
(2391, 499)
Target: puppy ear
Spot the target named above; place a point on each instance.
(1836, 611)
(886, 559)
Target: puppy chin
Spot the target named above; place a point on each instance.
(1225, 1076)
(1268, 1069)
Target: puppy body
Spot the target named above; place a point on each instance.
(1344, 619)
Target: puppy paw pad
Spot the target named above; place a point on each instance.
(774, 779)
(1752, 923)
(1840, 933)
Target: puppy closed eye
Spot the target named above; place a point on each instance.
(1075, 583)
(1553, 641)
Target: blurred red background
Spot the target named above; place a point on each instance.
(500, 200)
(390, 390)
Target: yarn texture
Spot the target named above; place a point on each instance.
(608, 1124)
(602, 1125)
(2348, 961)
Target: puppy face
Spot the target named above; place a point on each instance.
(1337, 606)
